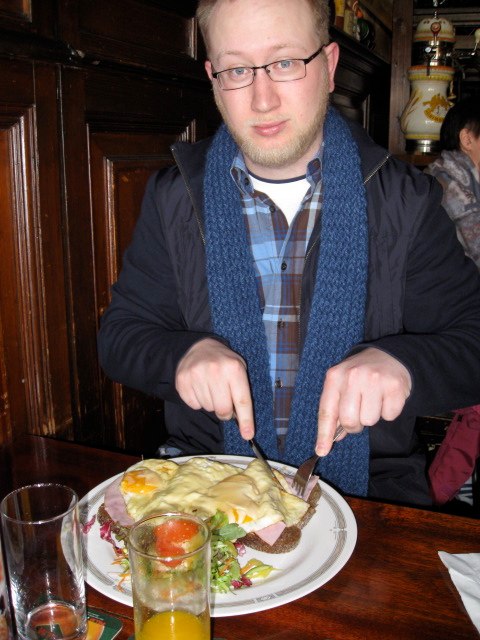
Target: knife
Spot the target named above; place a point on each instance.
(265, 464)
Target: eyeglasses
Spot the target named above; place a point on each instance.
(279, 71)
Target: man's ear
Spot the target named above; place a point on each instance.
(208, 69)
(466, 139)
(333, 52)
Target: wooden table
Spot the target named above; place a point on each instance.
(393, 587)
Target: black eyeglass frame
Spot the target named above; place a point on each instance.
(305, 61)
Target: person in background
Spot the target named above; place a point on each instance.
(458, 171)
(288, 276)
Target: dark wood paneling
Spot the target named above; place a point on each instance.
(18, 9)
(153, 35)
(5, 412)
(49, 221)
(31, 279)
(401, 60)
(121, 164)
(118, 129)
(35, 17)
(13, 393)
(362, 82)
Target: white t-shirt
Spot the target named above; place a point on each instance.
(286, 194)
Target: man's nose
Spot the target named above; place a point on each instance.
(265, 95)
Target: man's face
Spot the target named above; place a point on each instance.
(278, 125)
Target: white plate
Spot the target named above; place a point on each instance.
(326, 544)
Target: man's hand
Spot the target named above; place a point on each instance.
(211, 376)
(358, 392)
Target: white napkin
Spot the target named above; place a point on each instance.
(464, 569)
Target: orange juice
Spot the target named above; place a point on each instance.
(169, 557)
(175, 625)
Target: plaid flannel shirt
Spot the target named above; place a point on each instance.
(279, 252)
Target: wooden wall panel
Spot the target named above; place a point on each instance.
(13, 391)
(50, 223)
(6, 432)
(158, 35)
(91, 96)
(31, 296)
(34, 17)
(118, 130)
(401, 60)
(17, 9)
(120, 167)
(362, 86)
(110, 28)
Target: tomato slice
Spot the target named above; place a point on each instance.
(171, 535)
(177, 530)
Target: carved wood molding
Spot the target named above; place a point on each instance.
(22, 291)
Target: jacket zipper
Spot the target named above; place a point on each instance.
(377, 168)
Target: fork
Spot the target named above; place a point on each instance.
(305, 470)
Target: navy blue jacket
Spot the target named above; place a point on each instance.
(423, 306)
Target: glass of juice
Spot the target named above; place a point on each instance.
(170, 567)
(41, 536)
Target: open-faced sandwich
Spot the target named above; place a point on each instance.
(244, 506)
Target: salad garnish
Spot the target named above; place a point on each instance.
(227, 574)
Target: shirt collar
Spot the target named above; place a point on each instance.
(240, 176)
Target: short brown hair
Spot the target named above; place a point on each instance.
(320, 11)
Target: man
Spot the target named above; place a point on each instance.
(288, 277)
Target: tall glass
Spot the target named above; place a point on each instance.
(6, 628)
(41, 536)
(170, 568)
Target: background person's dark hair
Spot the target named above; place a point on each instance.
(463, 115)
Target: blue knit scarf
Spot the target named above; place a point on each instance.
(336, 321)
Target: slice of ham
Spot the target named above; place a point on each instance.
(272, 533)
(115, 504)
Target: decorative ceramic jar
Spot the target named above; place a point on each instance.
(433, 42)
(425, 111)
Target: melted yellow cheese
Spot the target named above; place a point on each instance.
(179, 486)
(203, 486)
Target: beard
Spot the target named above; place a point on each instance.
(291, 151)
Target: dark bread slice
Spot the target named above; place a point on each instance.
(290, 536)
(288, 540)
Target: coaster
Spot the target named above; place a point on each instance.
(101, 626)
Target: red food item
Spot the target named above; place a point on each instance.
(171, 536)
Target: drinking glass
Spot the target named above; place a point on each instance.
(6, 628)
(170, 568)
(41, 536)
